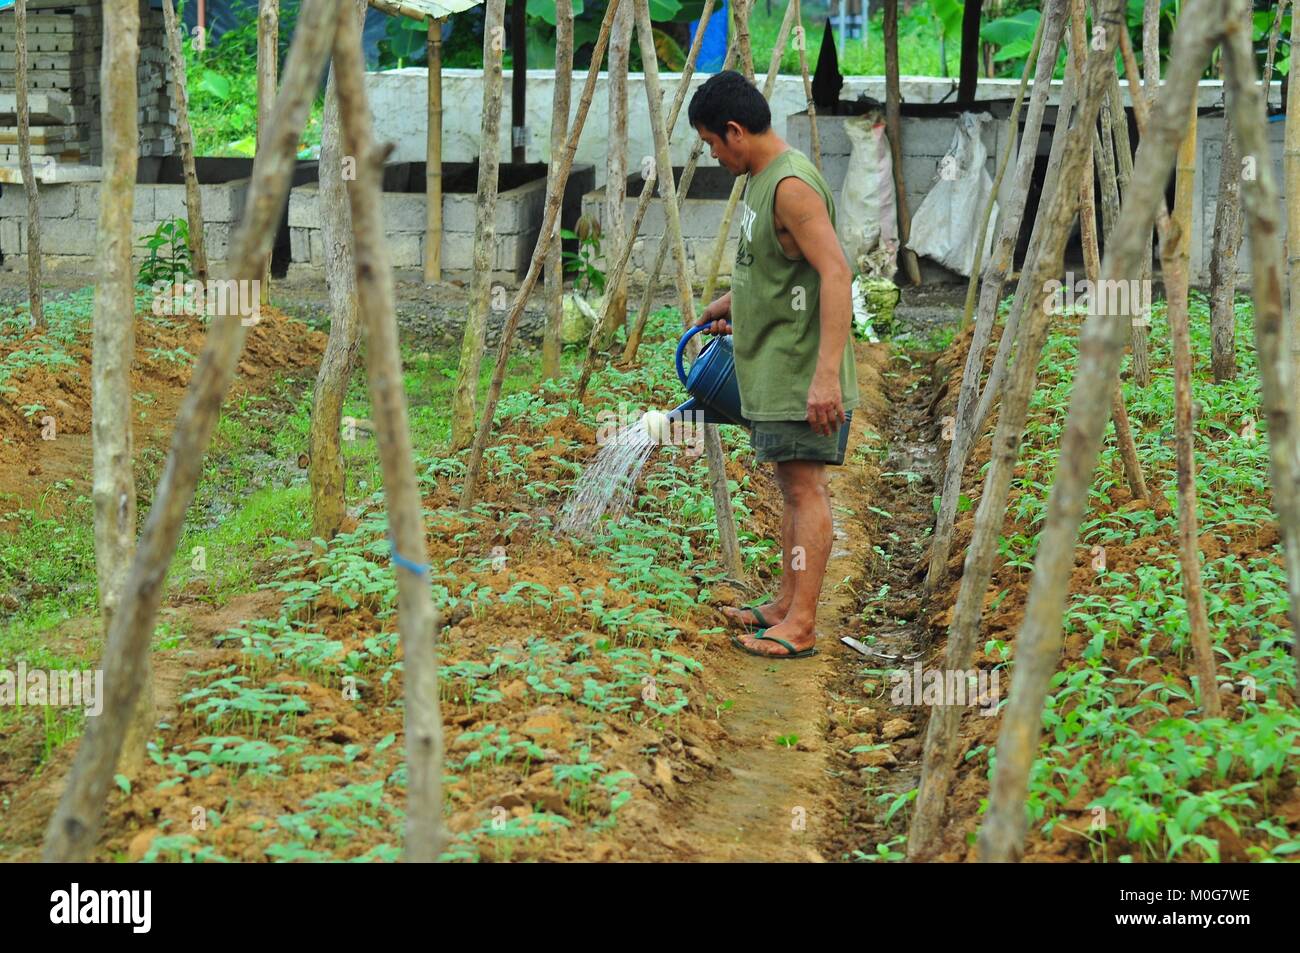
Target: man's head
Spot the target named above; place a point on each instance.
(731, 116)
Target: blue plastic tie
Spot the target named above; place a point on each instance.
(420, 569)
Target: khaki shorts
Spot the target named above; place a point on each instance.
(777, 441)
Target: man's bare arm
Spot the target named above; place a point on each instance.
(802, 212)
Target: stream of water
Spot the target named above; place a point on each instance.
(607, 487)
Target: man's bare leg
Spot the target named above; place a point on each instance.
(808, 502)
(775, 611)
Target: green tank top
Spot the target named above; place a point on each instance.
(775, 304)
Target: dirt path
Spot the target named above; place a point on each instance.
(791, 787)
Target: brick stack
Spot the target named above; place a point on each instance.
(64, 42)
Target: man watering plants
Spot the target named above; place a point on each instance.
(789, 313)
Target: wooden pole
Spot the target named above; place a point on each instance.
(728, 539)
(963, 633)
(185, 136)
(544, 239)
(268, 51)
(417, 621)
(1101, 348)
(614, 234)
(552, 344)
(968, 70)
(518, 81)
(1291, 177)
(969, 404)
(801, 44)
(35, 296)
(473, 342)
(433, 158)
(325, 472)
(724, 231)
(1275, 372)
(113, 348)
(608, 313)
(683, 189)
(894, 129)
(74, 827)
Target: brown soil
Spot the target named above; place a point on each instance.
(35, 453)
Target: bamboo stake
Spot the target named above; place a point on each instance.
(325, 473)
(894, 128)
(473, 341)
(969, 405)
(185, 136)
(738, 187)
(1291, 178)
(605, 324)
(268, 53)
(417, 620)
(1056, 219)
(552, 344)
(1013, 128)
(728, 540)
(35, 296)
(1101, 349)
(614, 233)
(113, 349)
(433, 157)
(1174, 256)
(73, 829)
(802, 46)
(544, 239)
(740, 11)
(1278, 402)
(683, 189)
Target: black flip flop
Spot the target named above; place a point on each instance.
(791, 651)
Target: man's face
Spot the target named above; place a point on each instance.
(728, 149)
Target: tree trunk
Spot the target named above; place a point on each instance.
(185, 137)
(740, 11)
(35, 296)
(544, 238)
(74, 828)
(1278, 404)
(1056, 218)
(614, 234)
(1174, 255)
(552, 344)
(894, 129)
(114, 345)
(994, 277)
(417, 620)
(433, 157)
(473, 342)
(1087, 189)
(1101, 348)
(326, 471)
(802, 46)
(268, 55)
(1138, 336)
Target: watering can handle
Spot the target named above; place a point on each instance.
(681, 349)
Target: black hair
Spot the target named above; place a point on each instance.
(729, 97)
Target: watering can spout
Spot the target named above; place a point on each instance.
(692, 411)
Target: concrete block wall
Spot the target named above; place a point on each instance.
(518, 222)
(70, 217)
(1209, 154)
(701, 216)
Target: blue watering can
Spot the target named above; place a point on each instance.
(714, 390)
